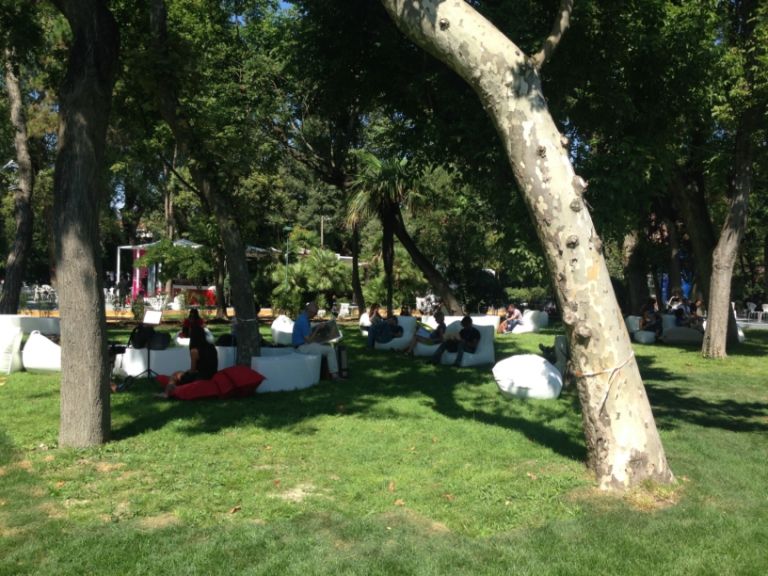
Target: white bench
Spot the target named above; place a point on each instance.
(285, 369)
(485, 353)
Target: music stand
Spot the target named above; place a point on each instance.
(152, 318)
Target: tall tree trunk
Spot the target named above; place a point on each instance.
(635, 272)
(624, 448)
(688, 192)
(205, 178)
(675, 272)
(357, 286)
(85, 98)
(221, 302)
(16, 264)
(765, 269)
(433, 276)
(721, 324)
(388, 256)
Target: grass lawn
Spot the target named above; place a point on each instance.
(405, 468)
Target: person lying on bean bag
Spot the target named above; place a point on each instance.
(233, 382)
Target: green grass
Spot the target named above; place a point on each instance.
(405, 468)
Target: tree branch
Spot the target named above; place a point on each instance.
(561, 24)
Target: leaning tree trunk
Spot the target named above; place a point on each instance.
(85, 97)
(624, 447)
(433, 276)
(16, 265)
(204, 175)
(721, 323)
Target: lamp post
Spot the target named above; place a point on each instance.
(287, 230)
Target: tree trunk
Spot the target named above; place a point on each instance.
(388, 256)
(635, 272)
(688, 192)
(221, 303)
(721, 324)
(16, 265)
(433, 276)
(765, 269)
(85, 98)
(205, 178)
(675, 272)
(624, 448)
(357, 286)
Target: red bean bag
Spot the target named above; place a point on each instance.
(232, 382)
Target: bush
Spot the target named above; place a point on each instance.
(530, 297)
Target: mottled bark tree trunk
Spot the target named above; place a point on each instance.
(16, 264)
(624, 447)
(85, 98)
(433, 276)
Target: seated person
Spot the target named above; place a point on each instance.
(374, 314)
(425, 336)
(384, 331)
(193, 319)
(513, 318)
(469, 338)
(204, 360)
(650, 320)
(305, 339)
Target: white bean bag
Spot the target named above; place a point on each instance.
(282, 331)
(633, 323)
(533, 321)
(10, 350)
(408, 324)
(485, 353)
(528, 376)
(286, 371)
(41, 354)
(644, 336)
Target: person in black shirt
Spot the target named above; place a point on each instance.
(204, 360)
(469, 338)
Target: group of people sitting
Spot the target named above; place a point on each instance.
(386, 329)
(686, 314)
(511, 319)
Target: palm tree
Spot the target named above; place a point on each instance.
(384, 187)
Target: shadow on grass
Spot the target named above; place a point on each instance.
(675, 404)
(467, 393)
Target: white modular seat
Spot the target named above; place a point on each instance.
(182, 341)
(41, 354)
(485, 353)
(479, 320)
(364, 322)
(682, 335)
(286, 371)
(282, 331)
(10, 350)
(409, 325)
(134, 360)
(668, 321)
(533, 321)
(528, 376)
